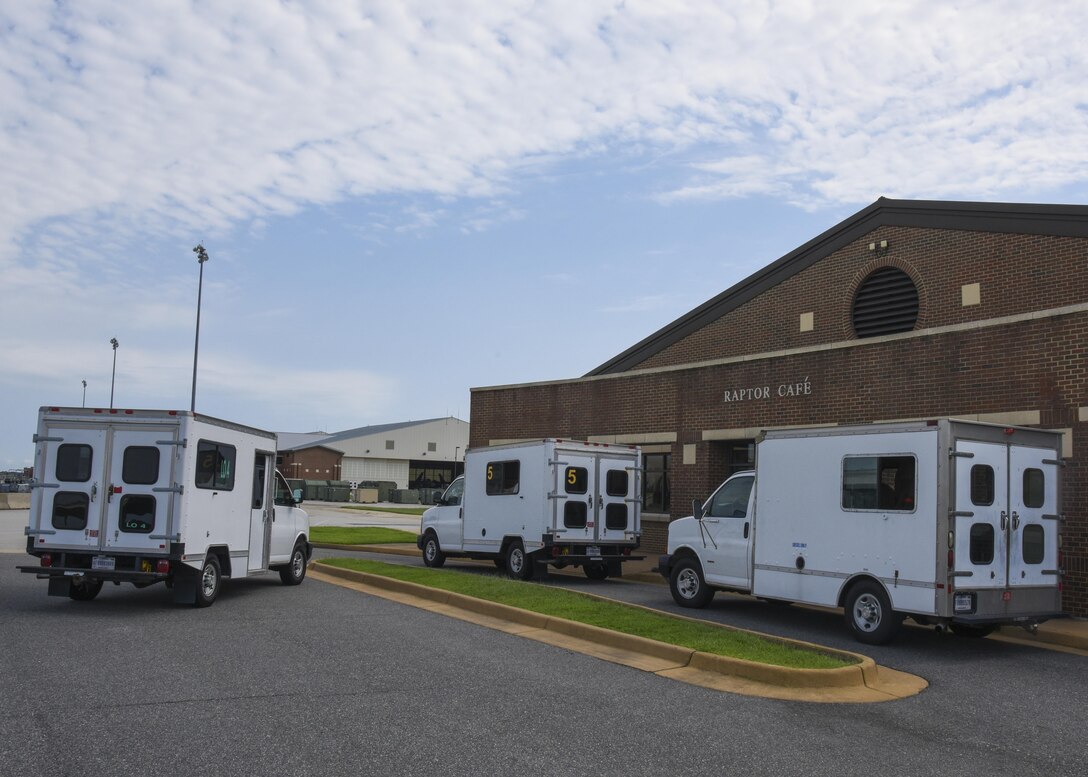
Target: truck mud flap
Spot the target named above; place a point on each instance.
(60, 586)
(184, 589)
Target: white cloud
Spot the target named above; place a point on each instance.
(179, 114)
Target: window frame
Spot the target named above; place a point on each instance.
(90, 462)
(125, 465)
(879, 470)
(496, 472)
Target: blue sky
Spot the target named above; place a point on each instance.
(402, 200)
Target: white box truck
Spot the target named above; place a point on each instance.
(148, 496)
(953, 523)
(548, 502)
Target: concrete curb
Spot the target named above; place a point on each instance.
(863, 676)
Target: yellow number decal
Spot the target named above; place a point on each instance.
(490, 473)
(572, 476)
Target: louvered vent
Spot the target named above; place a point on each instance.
(886, 303)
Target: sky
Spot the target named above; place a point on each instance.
(402, 200)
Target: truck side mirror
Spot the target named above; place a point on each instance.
(696, 509)
(297, 496)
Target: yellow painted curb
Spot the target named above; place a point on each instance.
(858, 683)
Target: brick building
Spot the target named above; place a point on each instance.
(906, 310)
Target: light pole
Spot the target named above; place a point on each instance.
(84, 393)
(201, 257)
(113, 377)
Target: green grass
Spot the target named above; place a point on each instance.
(609, 615)
(397, 510)
(359, 535)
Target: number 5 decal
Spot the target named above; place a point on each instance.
(490, 472)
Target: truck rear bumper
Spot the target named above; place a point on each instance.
(106, 575)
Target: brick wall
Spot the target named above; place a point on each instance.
(1034, 364)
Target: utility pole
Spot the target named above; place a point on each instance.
(201, 257)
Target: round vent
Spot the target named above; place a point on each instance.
(886, 303)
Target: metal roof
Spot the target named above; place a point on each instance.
(1029, 219)
(329, 440)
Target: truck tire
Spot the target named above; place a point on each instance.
(209, 582)
(869, 614)
(295, 571)
(596, 571)
(432, 551)
(518, 564)
(85, 591)
(687, 585)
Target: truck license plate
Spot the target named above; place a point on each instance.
(593, 550)
(964, 603)
(103, 562)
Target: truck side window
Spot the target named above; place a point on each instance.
(74, 463)
(455, 493)
(878, 483)
(283, 496)
(215, 465)
(503, 477)
(731, 500)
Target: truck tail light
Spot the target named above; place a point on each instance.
(162, 566)
(627, 551)
(556, 551)
(47, 559)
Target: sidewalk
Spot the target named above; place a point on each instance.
(1063, 633)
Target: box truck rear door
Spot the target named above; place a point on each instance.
(981, 514)
(1033, 513)
(141, 489)
(616, 483)
(72, 488)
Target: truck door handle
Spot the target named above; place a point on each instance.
(94, 490)
(746, 525)
(591, 501)
(1015, 520)
(1004, 520)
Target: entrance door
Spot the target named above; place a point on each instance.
(139, 493)
(1006, 515)
(72, 488)
(728, 528)
(260, 513)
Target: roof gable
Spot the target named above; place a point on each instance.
(1054, 220)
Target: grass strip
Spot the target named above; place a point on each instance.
(609, 615)
(359, 535)
(395, 510)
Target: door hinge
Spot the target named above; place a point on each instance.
(954, 454)
(174, 489)
(38, 439)
(34, 532)
(181, 443)
(170, 537)
(44, 485)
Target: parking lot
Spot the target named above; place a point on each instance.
(322, 680)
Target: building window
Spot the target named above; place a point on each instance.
(432, 447)
(389, 445)
(741, 457)
(655, 486)
(885, 303)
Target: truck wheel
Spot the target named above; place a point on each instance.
(295, 571)
(209, 582)
(518, 564)
(687, 585)
(869, 614)
(432, 552)
(972, 632)
(596, 571)
(85, 591)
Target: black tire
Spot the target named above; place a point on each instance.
(596, 571)
(518, 564)
(972, 631)
(687, 585)
(208, 582)
(85, 591)
(869, 614)
(295, 571)
(432, 551)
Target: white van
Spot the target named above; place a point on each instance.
(548, 502)
(953, 523)
(148, 496)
